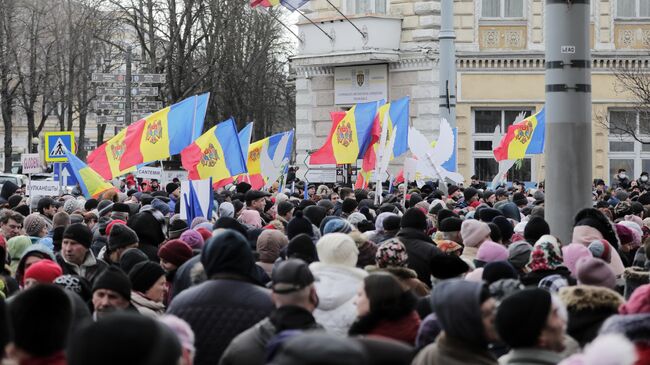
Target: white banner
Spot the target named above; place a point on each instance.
(359, 84)
(43, 188)
(149, 173)
(31, 163)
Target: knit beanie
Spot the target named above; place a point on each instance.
(349, 205)
(44, 271)
(302, 247)
(193, 239)
(110, 225)
(121, 236)
(474, 232)
(391, 223)
(337, 249)
(447, 266)
(130, 257)
(171, 187)
(160, 206)
(298, 225)
(546, 254)
(572, 253)
(634, 230)
(491, 251)
(498, 270)
(206, 233)
(80, 233)
(144, 275)
(593, 271)
(638, 303)
(601, 249)
(337, 225)
(519, 199)
(522, 316)
(269, 244)
(104, 207)
(391, 253)
(176, 228)
(196, 221)
(505, 227)
(414, 218)
(488, 214)
(72, 205)
(445, 213)
(356, 218)
(175, 251)
(34, 224)
(451, 224)
(536, 228)
(114, 279)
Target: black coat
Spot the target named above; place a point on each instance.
(218, 310)
(420, 249)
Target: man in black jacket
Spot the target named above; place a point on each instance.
(419, 246)
(295, 298)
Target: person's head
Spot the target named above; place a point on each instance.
(11, 223)
(39, 333)
(474, 232)
(111, 291)
(337, 249)
(121, 238)
(76, 243)
(349, 205)
(532, 318)
(148, 278)
(47, 206)
(414, 218)
(285, 210)
(474, 180)
(124, 338)
(173, 189)
(345, 193)
(293, 284)
(256, 199)
(185, 335)
(382, 295)
(41, 272)
(228, 252)
(173, 254)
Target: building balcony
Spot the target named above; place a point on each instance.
(379, 44)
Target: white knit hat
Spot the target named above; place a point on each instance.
(337, 248)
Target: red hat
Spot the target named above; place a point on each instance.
(44, 271)
(111, 224)
(205, 233)
(175, 251)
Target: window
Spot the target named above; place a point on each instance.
(625, 152)
(485, 122)
(502, 9)
(361, 7)
(633, 9)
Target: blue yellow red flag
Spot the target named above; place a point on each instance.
(91, 183)
(523, 138)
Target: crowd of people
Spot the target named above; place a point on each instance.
(325, 275)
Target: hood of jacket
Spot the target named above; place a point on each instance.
(457, 305)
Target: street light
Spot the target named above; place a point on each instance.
(35, 142)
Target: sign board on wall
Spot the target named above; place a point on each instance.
(359, 84)
(43, 188)
(146, 172)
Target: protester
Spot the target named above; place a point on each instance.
(75, 256)
(148, 288)
(111, 292)
(419, 246)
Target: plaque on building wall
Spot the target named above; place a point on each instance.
(359, 84)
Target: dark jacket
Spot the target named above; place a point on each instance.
(89, 269)
(534, 277)
(249, 347)
(218, 310)
(420, 249)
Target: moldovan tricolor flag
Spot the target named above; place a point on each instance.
(105, 160)
(216, 154)
(349, 136)
(256, 175)
(91, 183)
(523, 138)
(164, 133)
(397, 117)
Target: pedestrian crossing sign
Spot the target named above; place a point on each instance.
(55, 145)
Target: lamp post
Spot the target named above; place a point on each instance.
(35, 142)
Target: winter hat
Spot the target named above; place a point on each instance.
(505, 227)
(391, 253)
(448, 247)
(14, 200)
(130, 257)
(634, 218)
(114, 279)
(498, 270)
(196, 221)
(176, 228)
(206, 233)
(269, 244)
(474, 232)
(356, 218)
(637, 233)
(447, 266)
(491, 251)
(250, 217)
(522, 316)
(110, 225)
(79, 232)
(124, 338)
(228, 251)
(379, 222)
(392, 223)
(337, 249)
(451, 224)
(601, 249)
(38, 332)
(315, 214)
(230, 223)
(175, 251)
(90, 204)
(546, 254)
(488, 214)
(536, 228)
(193, 239)
(596, 219)
(121, 236)
(160, 206)
(171, 187)
(625, 234)
(302, 247)
(469, 193)
(144, 275)
(181, 329)
(639, 301)
(349, 205)
(505, 287)
(445, 213)
(572, 253)
(34, 224)
(318, 347)
(606, 349)
(337, 225)
(511, 211)
(414, 218)
(44, 271)
(104, 207)
(298, 225)
(519, 199)
(226, 209)
(71, 205)
(593, 271)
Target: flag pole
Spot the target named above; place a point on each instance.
(364, 35)
(284, 25)
(305, 16)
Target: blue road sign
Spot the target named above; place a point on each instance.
(55, 145)
(70, 178)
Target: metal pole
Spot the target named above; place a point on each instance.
(127, 86)
(447, 70)
(568, 113)
(364, 35)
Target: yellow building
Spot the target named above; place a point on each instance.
(500, 72)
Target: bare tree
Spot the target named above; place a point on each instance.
(8, 81)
